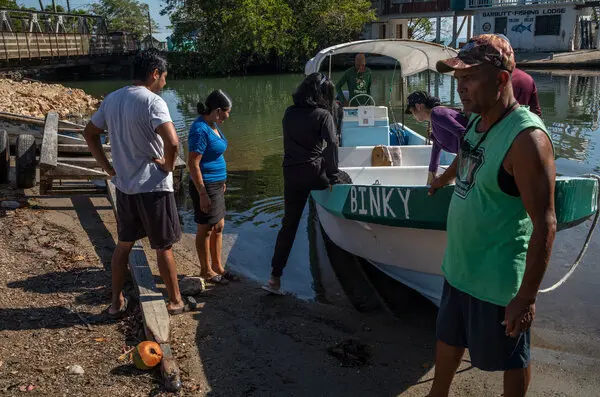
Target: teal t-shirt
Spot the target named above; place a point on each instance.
(358, 83)
(488, 230)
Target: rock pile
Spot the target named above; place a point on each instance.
(37, 99)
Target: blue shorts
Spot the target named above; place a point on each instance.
(476, 325)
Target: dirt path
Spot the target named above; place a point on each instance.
(53, 293)
(54, 259)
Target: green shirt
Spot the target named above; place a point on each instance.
(358, 83)
(488, 230)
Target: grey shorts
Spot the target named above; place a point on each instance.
(217, 198)
(153, 215)
(466, 321)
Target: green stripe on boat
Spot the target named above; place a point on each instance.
(411, 207)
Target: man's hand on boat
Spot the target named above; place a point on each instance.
(440, 181)
(435, 184)
(430, 177)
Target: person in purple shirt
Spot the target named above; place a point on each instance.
(524, 87)
(447, 126)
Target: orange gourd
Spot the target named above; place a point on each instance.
(147, 355)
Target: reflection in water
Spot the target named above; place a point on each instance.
(570, 110)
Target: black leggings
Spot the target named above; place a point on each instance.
(298, 182)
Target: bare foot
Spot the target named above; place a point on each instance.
(117, 306)
(218, 269)
(174, 306)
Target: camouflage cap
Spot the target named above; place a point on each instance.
(485, 48)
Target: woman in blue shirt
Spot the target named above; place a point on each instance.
(208, 175)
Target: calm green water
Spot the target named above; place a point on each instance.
(568, 100)
(570, 107)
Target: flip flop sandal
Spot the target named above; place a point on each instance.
(121, 312)
(190, 306)
(272, 290)
(230, 276)
(218, 279)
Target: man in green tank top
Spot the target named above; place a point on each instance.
(501, 222)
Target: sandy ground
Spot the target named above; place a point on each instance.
(55, 256)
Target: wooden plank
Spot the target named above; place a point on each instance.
(75, 148)
(155, 315)
(87, 162)
(12, 135)
(90, 162)
(53, 175)
(63, 125)
(49, 151)
(70, 139)
(69, 171)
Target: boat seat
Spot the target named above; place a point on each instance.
(354, 134)
(362, 156)
(388, 176)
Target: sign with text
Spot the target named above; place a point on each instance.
(509, 13)
(366, 116)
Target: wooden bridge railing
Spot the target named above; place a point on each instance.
(28, 34)
(50, 45)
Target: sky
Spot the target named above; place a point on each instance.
(155, 6)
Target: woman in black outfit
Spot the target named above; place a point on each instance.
(309, 162)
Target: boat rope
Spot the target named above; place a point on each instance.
(390, 94)
(585, 244)
(399, 136)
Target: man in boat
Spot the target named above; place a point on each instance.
(501, 222)
(359, 81)
(144, 147)
(524, 87)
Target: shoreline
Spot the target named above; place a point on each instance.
(573, 60)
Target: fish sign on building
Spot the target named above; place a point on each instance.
(532, 27)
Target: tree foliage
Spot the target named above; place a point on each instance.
(234, 35)
(420, 29)
(124, 15)
(8, 4)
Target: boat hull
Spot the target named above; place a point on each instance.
(414, 249)
(410, 256)
(408, 243)
(428, 285)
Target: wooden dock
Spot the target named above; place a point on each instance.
(67, 157)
